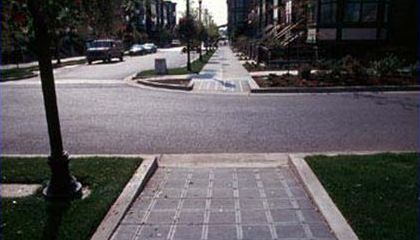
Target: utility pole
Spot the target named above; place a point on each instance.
(201, 25)
(62, 184)
(188, 40)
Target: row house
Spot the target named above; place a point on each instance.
(169, 15)
(329, 25)
(238, 16)
(155, 17)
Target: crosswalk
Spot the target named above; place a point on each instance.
(224, 74)
(212, 85)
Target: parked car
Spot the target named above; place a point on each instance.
(150, 47)
(137, 49)
(105, 50)
(175, 43)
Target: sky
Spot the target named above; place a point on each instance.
(217, 8)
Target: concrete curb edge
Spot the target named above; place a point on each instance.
(120, 207)
(253, 85)
(18, 78)
(338, 224)
(166, 86)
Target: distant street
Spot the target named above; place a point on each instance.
(119, 70)
(112, 117)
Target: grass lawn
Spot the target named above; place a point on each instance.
(35, 218)
(196, 67)
(378, 194)
(16, 73)
(19, 73)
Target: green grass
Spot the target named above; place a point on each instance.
(35, 218)
(20, 73)
(378, 194)
(196, 67)
(16, 73)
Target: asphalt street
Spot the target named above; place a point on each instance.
(117, 70)
(115, 118)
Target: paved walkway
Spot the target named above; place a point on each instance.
(223, 73)
(228, 203)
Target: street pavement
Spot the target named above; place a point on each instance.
(223, 204)
(223, 73)
(102, 114)
(114, 118)
(117, 70)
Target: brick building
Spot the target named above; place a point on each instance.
(332, 26)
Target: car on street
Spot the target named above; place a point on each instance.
(175, 43)
(150, 47)
(137, 49)
(105, 50)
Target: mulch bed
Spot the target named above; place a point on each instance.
(328, 81)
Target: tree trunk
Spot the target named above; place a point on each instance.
(57, 52)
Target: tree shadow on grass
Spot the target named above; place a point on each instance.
(55, 212)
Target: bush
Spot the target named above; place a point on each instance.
(415, 69)
(386, 66)
(305, 72)
(272, 76)
(352, 66)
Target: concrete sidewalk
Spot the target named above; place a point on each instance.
(223, 73)
(252, 198)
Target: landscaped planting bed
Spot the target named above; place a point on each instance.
(323, 79)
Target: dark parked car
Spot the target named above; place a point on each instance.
(175, 43)
(105, 50)
(137, 49)
(150, 47)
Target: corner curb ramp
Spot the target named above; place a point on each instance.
(149, 82)
(120, 207)
(338, 224)
(166, 85)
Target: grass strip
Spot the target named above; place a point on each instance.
(20, 73)
(16, 73)
(196, 67)
(377, 194)
(35, 218)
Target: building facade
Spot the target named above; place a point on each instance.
(238, 11)
(155, 18)
(325, 24)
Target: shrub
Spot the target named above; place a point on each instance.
(305, 72)
(271, 77)
(415, 69)
(353, 67)
(386, 66)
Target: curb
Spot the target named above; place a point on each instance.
(131, 80)
(335, 89)
(18, 78)
(166, 85)
(224, 160)
(253, 85)
(338, 224)
(120, 207)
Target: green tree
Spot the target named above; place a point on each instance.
(187, 29)
(18, 30)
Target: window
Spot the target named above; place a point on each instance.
(328, 11)
(386, 13)
(352, 12)
(369, 12)
(357, 11)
